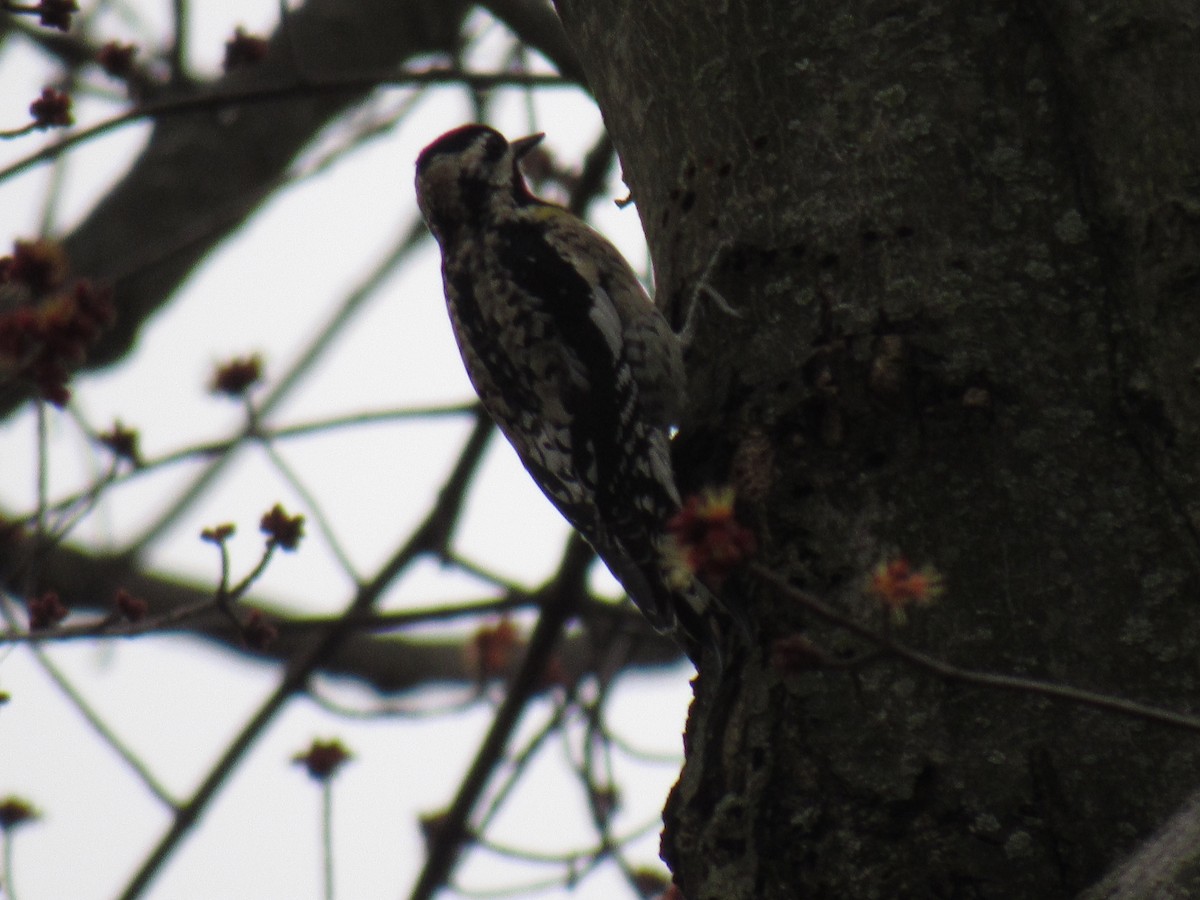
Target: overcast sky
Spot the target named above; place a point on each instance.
(177, 703)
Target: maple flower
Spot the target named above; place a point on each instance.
(122, 441)
(897, 586)
(218, 534)
(493, 648)
(46, 611)
(116, 59)
(131, 608)
(323, 758)
(15, 812)
(52, 109)
(237, 376)
(707, 539)
(243, 50)
(282, 529)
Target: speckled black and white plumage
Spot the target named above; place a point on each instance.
(569, 355)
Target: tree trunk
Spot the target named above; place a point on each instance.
(964, 245)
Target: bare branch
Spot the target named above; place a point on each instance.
(1166, 867)
(452, 829)
(202, 173)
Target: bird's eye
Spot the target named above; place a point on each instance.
(495, 147)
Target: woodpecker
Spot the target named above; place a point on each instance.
(571, 358)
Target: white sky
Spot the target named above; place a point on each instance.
(178, 703)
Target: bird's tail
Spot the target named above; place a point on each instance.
(677, 604)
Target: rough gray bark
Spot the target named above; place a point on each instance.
(965, 246)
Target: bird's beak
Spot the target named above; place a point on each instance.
(521, 146)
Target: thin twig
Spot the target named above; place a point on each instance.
(950, 672)
(108, 627)
(106, 734)
(246, 433)
(314, 510)
(43, 473)
(178, 53)
(325, 338)
(520, 763)
(6, 846)
(439, 525)
(218, 99)
(453, 829)
(395, 709)
(327, 835)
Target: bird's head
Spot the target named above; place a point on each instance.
(467, 172)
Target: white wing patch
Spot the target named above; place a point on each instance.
(604, 314)
(660, 463)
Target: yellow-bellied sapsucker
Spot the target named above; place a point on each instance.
(571, 358)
